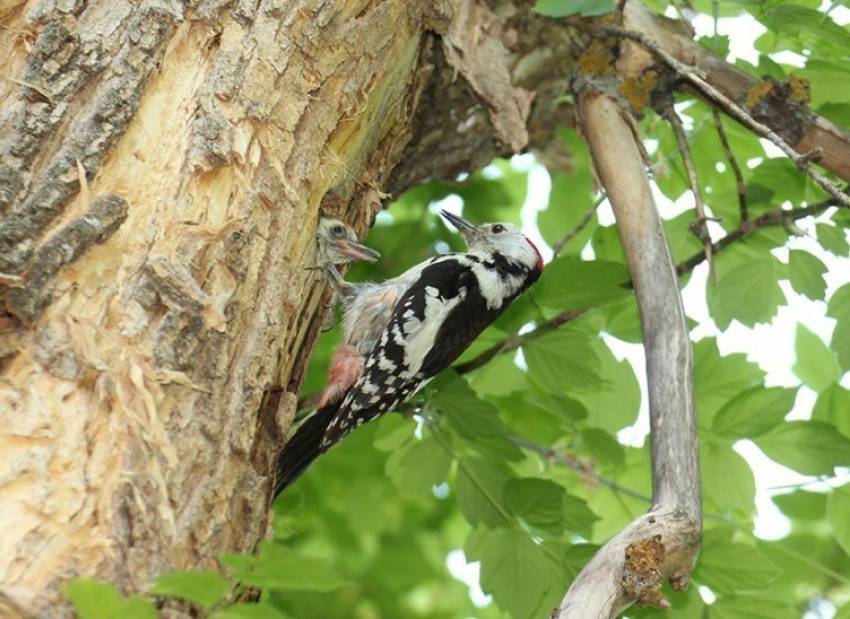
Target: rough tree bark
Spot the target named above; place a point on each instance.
(162, 166)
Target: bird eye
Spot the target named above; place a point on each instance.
(338, 230)
(498, 228)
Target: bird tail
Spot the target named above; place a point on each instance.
(303, 447)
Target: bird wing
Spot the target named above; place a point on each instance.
(435, 320)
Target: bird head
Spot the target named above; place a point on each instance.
(338, 243)
(502, 238)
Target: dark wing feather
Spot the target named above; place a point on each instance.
(303, 447)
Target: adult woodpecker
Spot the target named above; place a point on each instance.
(412, 327)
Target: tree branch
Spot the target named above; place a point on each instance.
(700, 226)
(778, 217)
(695, 76)
(733, 163)
(669, 535)
(515, 341)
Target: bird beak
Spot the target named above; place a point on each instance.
(357, 252)
(463, 226)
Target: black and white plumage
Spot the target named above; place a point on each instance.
(443, 304)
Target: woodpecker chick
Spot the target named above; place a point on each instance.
(338, 244)
(435, 311)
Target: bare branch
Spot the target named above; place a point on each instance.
(733, 163)
(700, 226)
(607, 585)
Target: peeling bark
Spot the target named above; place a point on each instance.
(162, 166)
(194, 143)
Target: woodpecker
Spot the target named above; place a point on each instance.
(338, 244)
(410, 328)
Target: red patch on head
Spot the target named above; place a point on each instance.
(536, 251)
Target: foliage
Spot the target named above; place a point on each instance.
(524, 462)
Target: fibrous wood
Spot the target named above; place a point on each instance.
(162, 168)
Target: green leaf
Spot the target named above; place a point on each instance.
(810, 26)
(615, 404)
(603, 447)
(782, 178)
(815, 364)
(561, 359)
(754, 411)
(683, 242)
(278, 567)
(729, 567)
(717, 378)
(808, 447)
(479, 488)
(806, 274)
(839, 308)
(500, 376)
(747, 290)
(576, 557)
(562, 8)
(827, 80)
(837, 511)
(833, 239)
(832, 406)
(607, 244)
(571, 283)
(622, 320)
(201, 588)
(750, 607)
(92, 599)
(517, 571)
(537, 501)
(465, 412)
(393, 432)
(802, 504)
(577, 514)
(570, 198)
(418, 468)
(727, 479)
(494, 194)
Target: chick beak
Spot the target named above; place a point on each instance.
(357, 252)
(463, 226)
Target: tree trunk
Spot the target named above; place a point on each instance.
(163, 165)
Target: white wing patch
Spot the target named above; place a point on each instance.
(422, 336)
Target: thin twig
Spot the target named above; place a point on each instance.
(778, 217)
(551, 454)
(695, 77)
(556, 249)
(700, 226)
(733, 163)
(513, 342)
